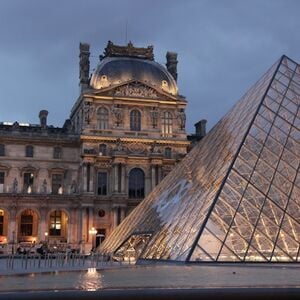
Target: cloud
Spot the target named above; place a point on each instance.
(223, 48)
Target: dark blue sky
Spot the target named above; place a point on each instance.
(223, 47)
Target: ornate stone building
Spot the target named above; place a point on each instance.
(125, 133)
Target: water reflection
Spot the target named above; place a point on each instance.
(90, 281)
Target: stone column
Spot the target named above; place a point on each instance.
(153, 176)
(43, 225)
(90, 223)
(84, 233)
(74, 227)
(92, 178)
(12, 231)
(115, 212)
(123, 187)
(115, 178)
(79, 224)
(84, 177)
(70, 224)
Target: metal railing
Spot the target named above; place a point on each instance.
(37, 262)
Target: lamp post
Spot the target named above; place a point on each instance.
(46, 237)
(13, 242)
(93, 233)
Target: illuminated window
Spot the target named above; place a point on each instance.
(57, 183)
(2, 150)
(135, 120)
(102, 183)
(167, 123)
(136, 187)
(55, 223)
(29, 151)
(102, 116)
(28, 182)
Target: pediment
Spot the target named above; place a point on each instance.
(134, 89)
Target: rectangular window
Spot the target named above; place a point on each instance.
(26, 225)
(102, 183)
(168, 152)
(167, 123)
(29, 151)
(2, 150)
(57, 183)
(2, 175)
(57, 152)
(28, 182)
(55, 223)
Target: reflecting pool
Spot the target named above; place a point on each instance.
(156, 276)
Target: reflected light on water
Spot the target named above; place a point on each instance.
(90, 281)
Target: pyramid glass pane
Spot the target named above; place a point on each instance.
(235, 196)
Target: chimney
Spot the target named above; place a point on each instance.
(172, 64)
(43, 118)
(201, 128)
(84, 64)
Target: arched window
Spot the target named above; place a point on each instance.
(102, 149)
(167, 122)
(29, 151)
(135, 120)
(136, 186)
(102, 117)
(26, 224)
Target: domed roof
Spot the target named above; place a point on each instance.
(117, 70)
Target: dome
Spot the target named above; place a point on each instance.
(117, 70)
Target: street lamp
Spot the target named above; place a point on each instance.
(13, 242)
(46, 236)
(93, 233)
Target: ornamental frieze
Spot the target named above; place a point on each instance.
(136, 148)
(135, 90)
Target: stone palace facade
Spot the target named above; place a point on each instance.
(73, 185)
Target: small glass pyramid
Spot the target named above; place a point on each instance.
(236, 196)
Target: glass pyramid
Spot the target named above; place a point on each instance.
(236, 195)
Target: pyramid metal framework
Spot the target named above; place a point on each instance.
(236, 195)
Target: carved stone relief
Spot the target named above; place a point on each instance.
(136, 148)
(181, 119)
(136, 90)
(118, 114)
(88, 109)
(154, 148)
